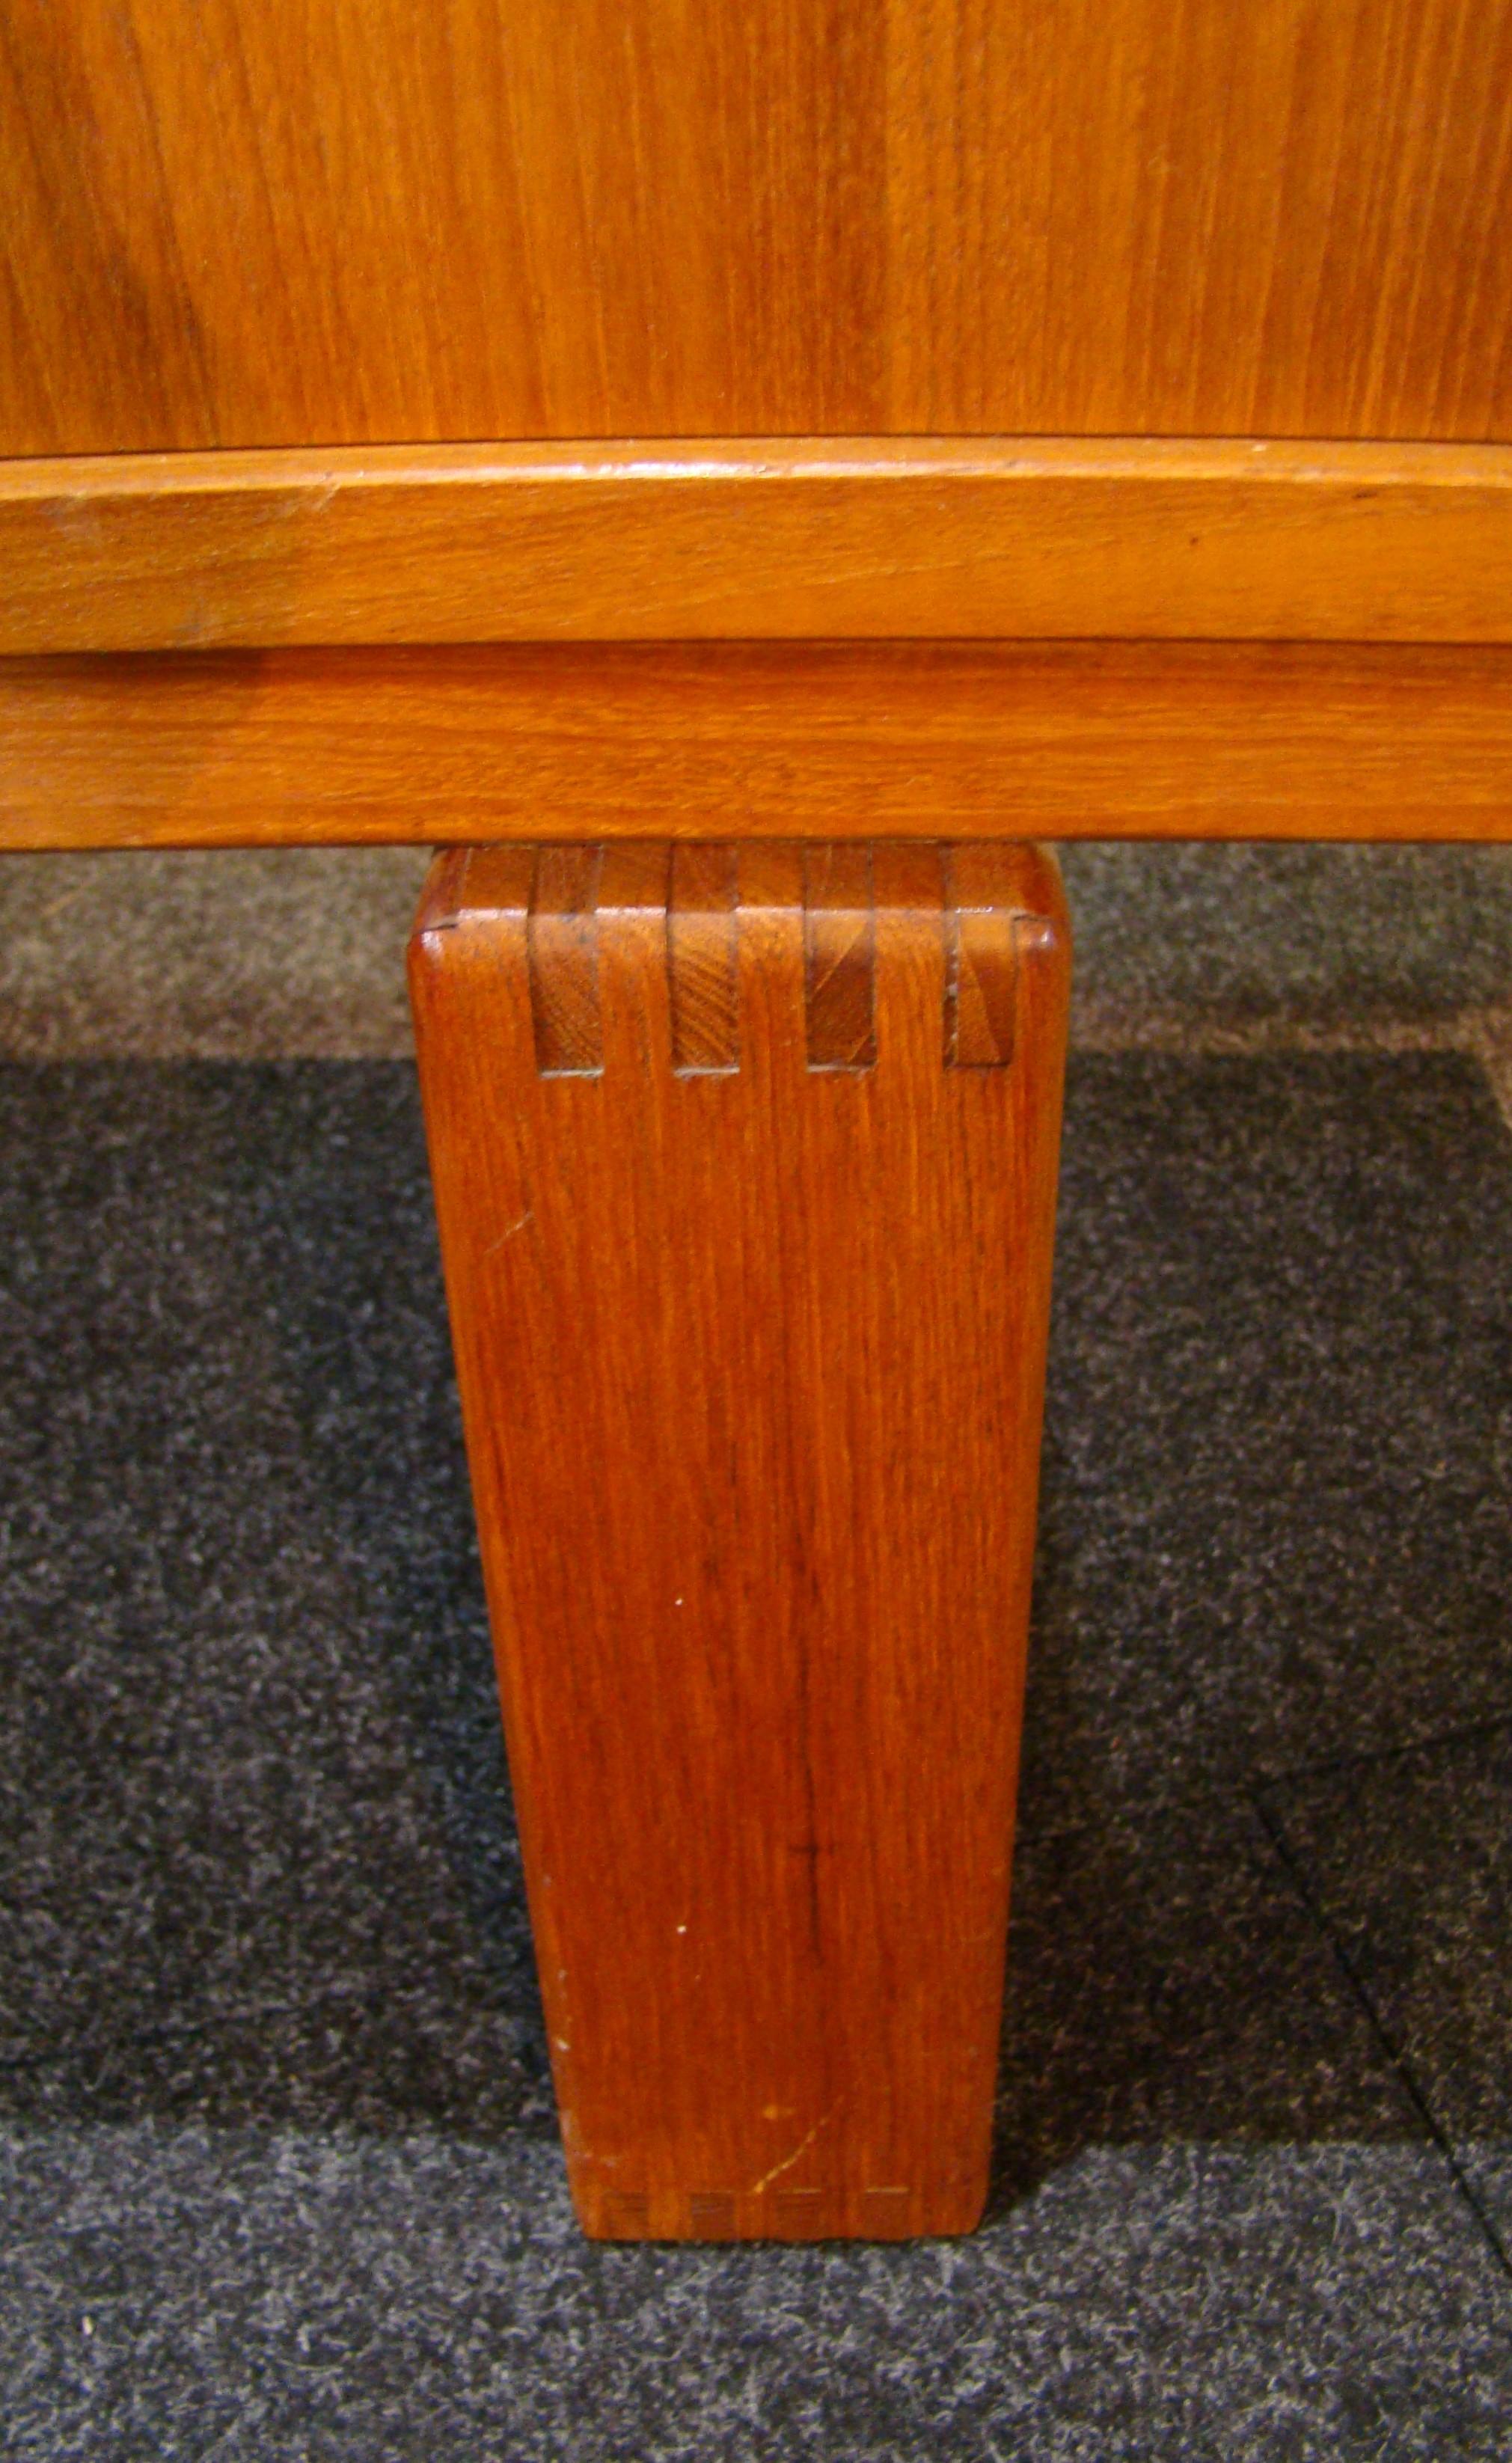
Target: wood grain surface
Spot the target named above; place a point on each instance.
(750, 1321)
(1049, 740)
(860, 538)
(360, 221)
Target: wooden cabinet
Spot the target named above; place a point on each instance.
(618, 422)
(287, 222)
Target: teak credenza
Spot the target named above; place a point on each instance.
(743, 481)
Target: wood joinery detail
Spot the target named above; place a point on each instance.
(567, 893)
(702, 978)
(840, 956)
(750, 1317)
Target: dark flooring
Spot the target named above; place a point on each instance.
(1208, 931)
(276, 2144)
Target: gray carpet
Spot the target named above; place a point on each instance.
(277, 2141)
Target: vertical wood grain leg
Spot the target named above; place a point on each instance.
(745, 1166)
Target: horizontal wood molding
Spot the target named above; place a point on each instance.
(857, 538)
(723, 740)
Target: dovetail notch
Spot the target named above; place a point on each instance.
(562, 939)
(701, 971)
(575, 892)
(840, 955)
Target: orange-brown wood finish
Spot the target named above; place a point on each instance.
(745, 1171)
(262, 222)
(1057, 740)
(863, 539)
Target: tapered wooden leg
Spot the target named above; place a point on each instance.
(745, 1169)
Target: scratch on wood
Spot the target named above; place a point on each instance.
(509, 1230)
(800, 2150)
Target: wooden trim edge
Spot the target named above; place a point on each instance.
(763, 540)
(1048, 740)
